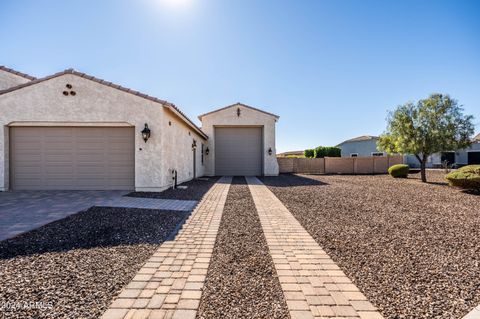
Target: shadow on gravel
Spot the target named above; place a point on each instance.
(96, 227)
(195, 190)
(289, 180)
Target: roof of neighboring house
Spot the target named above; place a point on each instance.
(164, 103)
(23, 75)
(360, 139)
(477, 137)
(238, 104)
(290, 153)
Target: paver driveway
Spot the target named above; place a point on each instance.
(21, 211)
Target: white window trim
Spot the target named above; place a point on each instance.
(383, 154)
(351, 154)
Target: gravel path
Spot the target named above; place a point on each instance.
(196, 189)
(241, 280)
(412, 248)
(78, 264)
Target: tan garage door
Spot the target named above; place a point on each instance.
(238, 151)
(72, 158)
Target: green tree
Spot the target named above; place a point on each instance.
(309, 153)
(432, 125)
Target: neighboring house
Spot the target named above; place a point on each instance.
(74, 131)
(362, 146)
(366, 145)
(291, 154)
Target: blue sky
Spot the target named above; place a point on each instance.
(330, 69)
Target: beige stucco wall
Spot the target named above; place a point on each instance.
(97, 104)
(8, 80)
(248, 117)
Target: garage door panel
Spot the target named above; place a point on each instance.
(72, 158)
(238, 151)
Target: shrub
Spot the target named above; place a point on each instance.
(309, 153)
(467, 177)
(399, 171)
(327, 151)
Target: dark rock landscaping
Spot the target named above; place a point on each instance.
(241, 280)
(412, 248)
(195, 190)
(72, 268)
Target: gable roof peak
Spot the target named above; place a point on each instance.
(164, 103)
(238, 104)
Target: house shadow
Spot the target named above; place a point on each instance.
(97, 227)
(290, 180)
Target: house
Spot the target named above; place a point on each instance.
(361, 146)
(366, 145)
(291, 154)
(72, 131)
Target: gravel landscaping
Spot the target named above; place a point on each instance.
(241, 280)
(75, 266)
(195, 190)
(412, 248)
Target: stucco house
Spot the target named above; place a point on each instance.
(366, 145)
(361, 146)
(72, 131)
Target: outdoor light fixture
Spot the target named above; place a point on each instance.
(146, 133)
(239, 112)
(270, 151)
(207, 151)
(194, 145)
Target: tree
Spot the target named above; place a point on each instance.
(430, 126)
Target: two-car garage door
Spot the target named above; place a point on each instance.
(238, 151)
(72, 158)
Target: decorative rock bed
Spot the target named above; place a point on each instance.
(412, 248)
(72, 268)
(241, 280)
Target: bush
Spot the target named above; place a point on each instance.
(309, 153)
(327, 151)
(399, 171)
(467, 177)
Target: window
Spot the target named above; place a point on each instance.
(353, 154)
(202, 153)
(377, 154)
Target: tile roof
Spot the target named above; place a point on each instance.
(164, 103)
(23, 75)
(360, 138)
(238, 104)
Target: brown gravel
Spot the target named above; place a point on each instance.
(196, 189)
(412, 248)
(241, 280)
(78, 264)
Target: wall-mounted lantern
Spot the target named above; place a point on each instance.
(270, 151)
(239, 112)
(194, 145)
(207, 151)
(146, 133)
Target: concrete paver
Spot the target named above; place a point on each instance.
(22, 211)
(313, 285)
(170, 283)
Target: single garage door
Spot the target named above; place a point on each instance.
(473, 157)
(238, 151)
(72, 158)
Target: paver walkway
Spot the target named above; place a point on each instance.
(313, 285)
(170, 283)
(21, 211)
